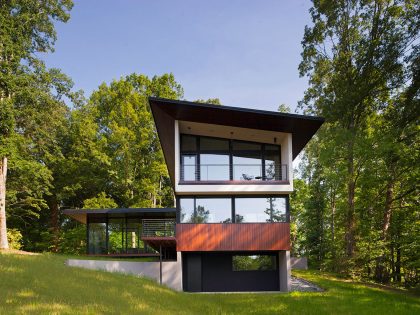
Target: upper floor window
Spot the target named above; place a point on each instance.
(216, 159)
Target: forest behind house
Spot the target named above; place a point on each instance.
(355, 209)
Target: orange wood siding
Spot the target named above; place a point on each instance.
(233, 237)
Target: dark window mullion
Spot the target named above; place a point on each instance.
(197, 164)
(195, 209)
(230, 160)
(106, 235)
(263, 162)
(87, 233)
(233, 209)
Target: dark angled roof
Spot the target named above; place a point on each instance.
(81, 214)
(166, 111)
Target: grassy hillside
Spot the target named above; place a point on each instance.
(43, 284)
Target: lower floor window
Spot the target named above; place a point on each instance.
(254, 262)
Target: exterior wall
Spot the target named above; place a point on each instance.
(243, 188)
(287, 158)
(177, 155)
(213, 272)
(233, 237)
(171, 270)
(284, 271)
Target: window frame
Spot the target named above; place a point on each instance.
(229, 152)
(233, 206)
(276, 262)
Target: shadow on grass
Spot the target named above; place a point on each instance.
(43, 284)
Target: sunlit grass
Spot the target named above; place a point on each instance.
(43, 284)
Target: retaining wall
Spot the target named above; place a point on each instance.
(171, 270)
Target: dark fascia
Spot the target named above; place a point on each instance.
(81, 214)
(166, 111)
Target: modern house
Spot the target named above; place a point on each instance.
(231, 171)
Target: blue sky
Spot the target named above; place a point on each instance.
(246, 53)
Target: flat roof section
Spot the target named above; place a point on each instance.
(81, 214)
(166, 111)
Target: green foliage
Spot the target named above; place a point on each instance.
(30, 93)
(362, 60)
(73, 240)
(213, 101)
(15, 238)
(283, 108)
(101, 201)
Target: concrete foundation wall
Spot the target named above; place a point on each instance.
(284, 271)
(171, 270)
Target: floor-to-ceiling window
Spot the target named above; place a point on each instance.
(116, 235)
(205, 210)
(247, 161)
(266, 209)
(97, 236)
(216, 159)
(116, 240)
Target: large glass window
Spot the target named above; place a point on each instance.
(247, 161)
(97, 238)
(132, 236)
(189, 167)
(213, 159)
(214, 144)
(186, 212)
(214, 210)
(214, 167)
(205, 210)
(219, 210)
(272, 163)
(188, 143)
(254, 262)
(267, 209)
(116, 241)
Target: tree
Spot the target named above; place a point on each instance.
(136, 175)
(354, 57)
(362, 60)
(283, 108)
(27, 29)
(213, 101)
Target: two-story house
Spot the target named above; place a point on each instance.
(231, 171)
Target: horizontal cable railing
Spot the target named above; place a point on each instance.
(158, 228)
(236, 172)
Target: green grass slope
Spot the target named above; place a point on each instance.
(42, 284)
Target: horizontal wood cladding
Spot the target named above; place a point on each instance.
(233, 236)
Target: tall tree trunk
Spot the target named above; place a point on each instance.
(388, 207)
(333, 209)
(55, 223)
(398, 264)
(350, 218)
(4, 244)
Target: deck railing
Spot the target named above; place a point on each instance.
(234, 172)
(158, 228)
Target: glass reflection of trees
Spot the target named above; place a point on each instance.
(219, 210)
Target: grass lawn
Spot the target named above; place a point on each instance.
(42, 284)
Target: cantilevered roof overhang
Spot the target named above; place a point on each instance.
(81, 214)
(166, 111)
